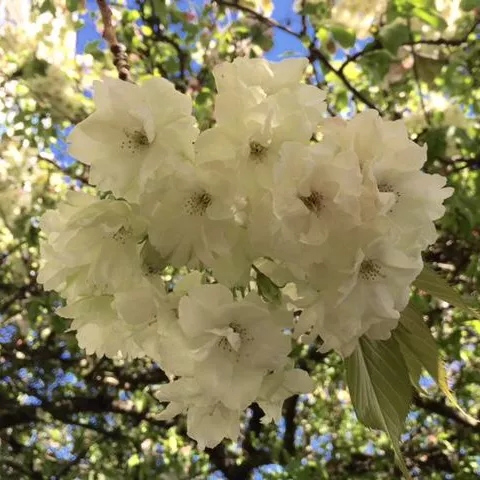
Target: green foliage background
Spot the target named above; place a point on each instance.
(64, 415)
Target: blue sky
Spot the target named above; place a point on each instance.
(283, 42)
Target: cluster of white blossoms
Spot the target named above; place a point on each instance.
(327, 218)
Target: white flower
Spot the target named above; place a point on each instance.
(418, 197)
(257, 72)
(194, 216)
(278, 386)
(135, 134)
(208, 420)
(333, 231)
(210, 424)
(397, 199)
(145, 310)
(91, 246)
(316, 191)
(99, 329)
(370, 137)
(235, 104)
(234, 342)
(251, 144)
(374, 290)
(255, 116)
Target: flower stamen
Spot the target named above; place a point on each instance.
(198, 203)
(257, 152)
(370, 270)
(134, 141)
(314, 202)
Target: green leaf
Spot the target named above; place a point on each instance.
(203, 97)
(48, 6)
(133, 461)
(377, 63)
(467, 5)
(72, 5)
(56, 435)
(261, 37)
(421, 351)
(59, 324)
(159, 8)
(422, 3)
(436, 140)
(430, 17)
(345, 37)
(431, 282)
(92, 47)
(429, 68)
(393, 35)
(380, 389)
(417, 344)
(323, 34)
(277, 273)
(267, 289)
(36, 66)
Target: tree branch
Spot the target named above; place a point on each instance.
(289, 412)
(442, 409)
(314, 53)
(258, 16)
(377, 45)
(21, 414)
(120, 57)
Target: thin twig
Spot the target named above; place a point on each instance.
(120, 57)
(314, 53)
(377, 45)
(442, 409)
(258, 16)
(304, 19)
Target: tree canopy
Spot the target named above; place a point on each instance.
(68, 415)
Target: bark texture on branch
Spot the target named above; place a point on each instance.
(119, 52)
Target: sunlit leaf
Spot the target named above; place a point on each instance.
(380, 389)
(393, 35)
(417, 344)
(430, 17)
(421, 351)
(267, 289)
(345, 37)
(432, 283)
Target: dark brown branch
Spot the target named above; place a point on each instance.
(67, 171)
(303, 31)
(22, 414)
(257, 16)
(21, 293)
(314, 53)
(120, 57)
(289, 412)
(442, 409)
(377, 45)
